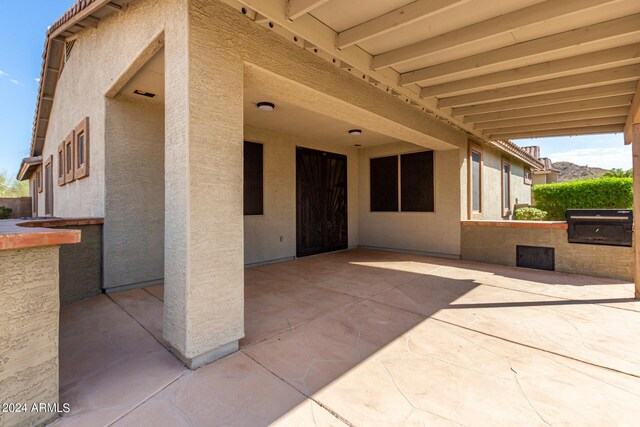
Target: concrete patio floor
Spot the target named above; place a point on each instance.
(369, 338)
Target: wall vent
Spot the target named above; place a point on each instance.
(536, 257)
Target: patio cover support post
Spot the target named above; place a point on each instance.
(636, 205)
(204, 254)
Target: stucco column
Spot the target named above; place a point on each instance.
(204, 282)
(636, 206)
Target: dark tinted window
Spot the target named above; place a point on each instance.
(384, 184)
(416, 183)
(253, 171)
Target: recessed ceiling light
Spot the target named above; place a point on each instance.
(355, 132)
(144, 93)
(265, 106)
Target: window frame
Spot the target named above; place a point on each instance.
(61, 164)
(81, 171)
(38, 173)
(472, 147)
(244, 206)
(527, 181)
(68, 169)
(48, 184)
(506, 199)
(34, 197)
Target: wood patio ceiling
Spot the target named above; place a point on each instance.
(499, 70)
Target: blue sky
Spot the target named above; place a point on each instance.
(605, 151)
(23, 25)
(22, 31)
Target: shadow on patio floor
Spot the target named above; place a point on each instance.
(369, 338)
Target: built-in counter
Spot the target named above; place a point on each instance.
(496, 241)
(29, 318)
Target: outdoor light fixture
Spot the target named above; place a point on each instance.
(265, 106)
(355, 132)
(144, 93)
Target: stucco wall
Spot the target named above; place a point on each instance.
(81, 265)
(497, 245)
(98, 56)
(262, 232)
(492, 184)
(431, 232)
(134, 208)
(29, 318)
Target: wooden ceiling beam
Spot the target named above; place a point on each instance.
(596, 92)
(619, 120)
(590, 79)
(555, 118)
(633, 118)
(564, 107)
(592, 33)
(587, 130)
(393, 20)
(297, 8)
(502, 24)
(623, 55)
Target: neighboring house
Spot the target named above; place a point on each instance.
(547, 174)
(171, 119)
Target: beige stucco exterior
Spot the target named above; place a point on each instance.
(262, 233)
(134, 192)
(168, 178)
(436, 233)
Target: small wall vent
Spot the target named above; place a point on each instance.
(536, 257)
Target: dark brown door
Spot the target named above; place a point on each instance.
(321, 196)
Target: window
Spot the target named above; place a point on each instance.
(416, 182)
(61, 165)
(474, 182)
(34, 197)
(68, 158)
(506, 187)
(81, 149)
(48, 186)
(253, 179)
(527, 176)
(39, 178)
(383, 174)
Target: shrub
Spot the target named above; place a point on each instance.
(5, 212)
(529, 214)
(603, 193)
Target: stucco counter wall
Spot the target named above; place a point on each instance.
(495, 242)
(29, 318)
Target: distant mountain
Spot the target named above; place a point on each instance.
(571, 172)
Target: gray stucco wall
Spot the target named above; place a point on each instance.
(134, 207)
(29, 318)
(497, 245)
(81, 265)
(492, 184)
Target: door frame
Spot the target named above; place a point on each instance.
(325, 249)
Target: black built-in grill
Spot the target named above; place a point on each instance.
(613, 227)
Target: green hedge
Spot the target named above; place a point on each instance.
(603, 193)
(529, 214)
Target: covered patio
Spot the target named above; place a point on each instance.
(362, 337)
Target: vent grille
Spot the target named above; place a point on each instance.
(68, 46)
